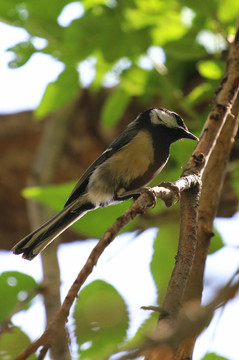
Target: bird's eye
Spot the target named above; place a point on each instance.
(179, 121)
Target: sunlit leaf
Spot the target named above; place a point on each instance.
(12, 343)
(216, 242)
(15, 287)
(186, 49)
(210, 69)
(53, 196)
(22, 53)
(38, 18)
(144, 331)
(101, 320)
(134, 80)
(59, 93)
(204, 8)
(165, 250)
(214, 356)
(86, 35)
(94, 223)
(114, 107)
(200, 93)
(228, 10)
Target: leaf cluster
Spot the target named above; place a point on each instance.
(171, 51)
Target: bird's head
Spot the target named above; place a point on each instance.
(172, 121)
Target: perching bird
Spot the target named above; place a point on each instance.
(133, 159)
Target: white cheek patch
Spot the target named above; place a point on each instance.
(158, 117)
(154, 117)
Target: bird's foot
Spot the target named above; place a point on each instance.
(136, 193)
(148, 190)
(172, 187)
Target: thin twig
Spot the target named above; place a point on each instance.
(192, 318)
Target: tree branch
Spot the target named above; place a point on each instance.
(214, 147)
(192, 173)
(192, 318)
(211, 189)
(138, 207)
(200, 162)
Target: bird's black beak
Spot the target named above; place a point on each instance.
(188, 135)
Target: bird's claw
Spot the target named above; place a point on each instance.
(136, 193)
(151, 193)
(172, 187)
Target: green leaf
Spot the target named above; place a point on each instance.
(228, 10)
(14, 286)
(38, 18)
(165, 250)
(147, 14)
(210, 69)
(134, 80)
(205, 8)
(59, 93)
(13, 343)
(105, 30)
(144, 332)
(92, 3)
(101, 320)
(52, 196)
(216, 243)
(199, 93)
(184, 50)
(94, 223)
(213, 356)
(114, 107)
(22, 53)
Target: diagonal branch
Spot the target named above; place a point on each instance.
(188, 184)
(139, 206)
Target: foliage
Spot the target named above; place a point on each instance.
(99, 328)
(213, 356)
(15, 287)
(13, 342)
(125, 39)
(16, 293)
(93, 224)
(155, 51)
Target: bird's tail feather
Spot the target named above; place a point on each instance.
(34, 243)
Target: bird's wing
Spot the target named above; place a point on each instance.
(123, 139)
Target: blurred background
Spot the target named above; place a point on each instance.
(72, 76)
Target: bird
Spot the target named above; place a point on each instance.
(121, 172)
